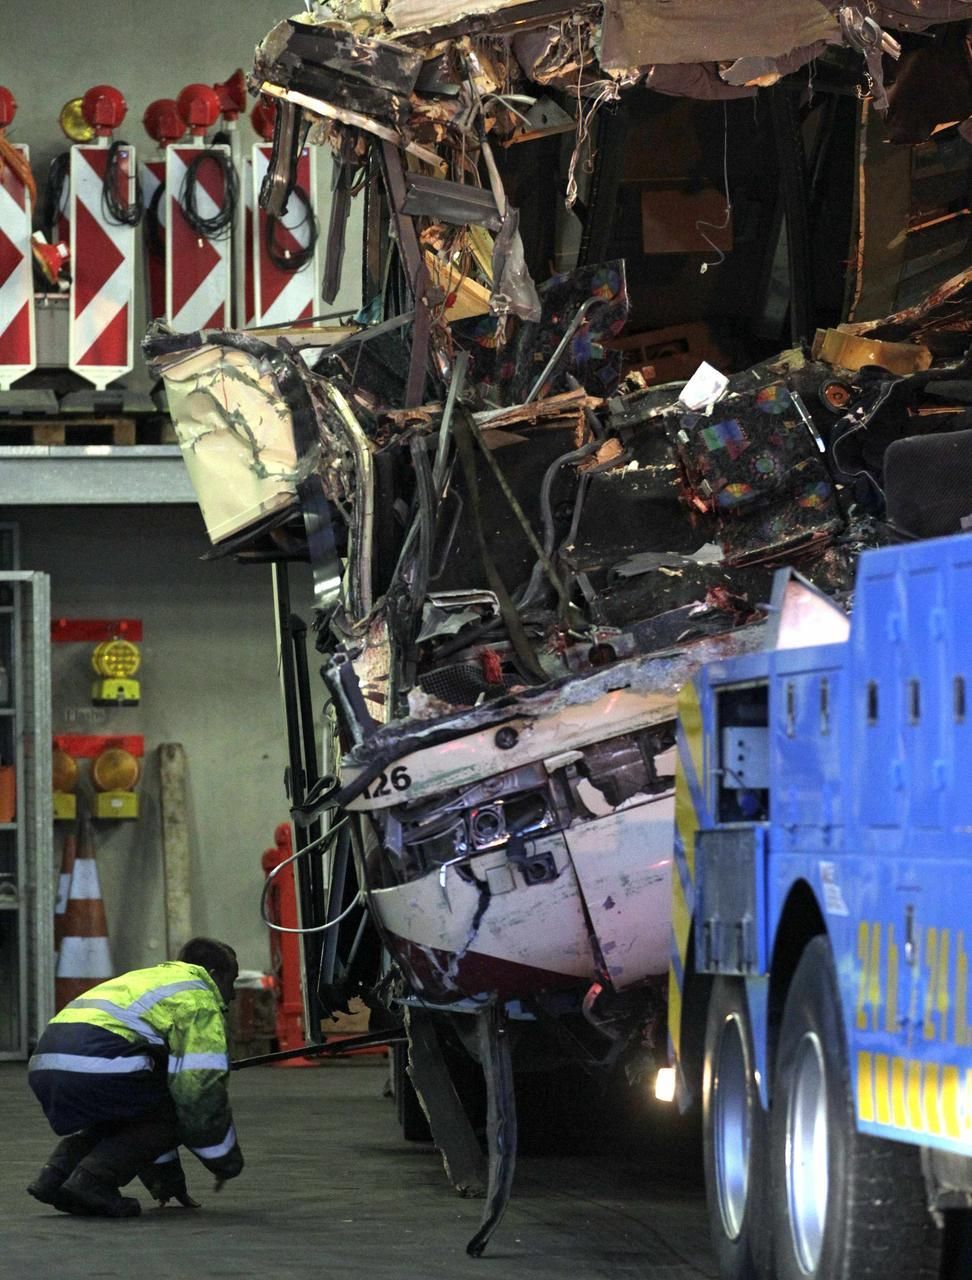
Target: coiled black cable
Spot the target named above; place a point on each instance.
(118, 213)
(217, 227)
(58, 176)
(154, 235)
(293, 260)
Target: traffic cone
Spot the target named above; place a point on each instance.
(64, 886)
(84, 959)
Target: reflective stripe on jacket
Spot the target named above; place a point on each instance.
(175, 1012)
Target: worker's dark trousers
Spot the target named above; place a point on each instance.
(114, 1151)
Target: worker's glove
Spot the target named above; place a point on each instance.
(167, 1181)
(228, 1166)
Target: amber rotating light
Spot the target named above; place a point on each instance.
(115, 662)
(73, 124)
(65, 773)
(115, 772)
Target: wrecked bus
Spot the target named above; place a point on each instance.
(639, 326)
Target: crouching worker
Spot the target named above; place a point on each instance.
(131, 1070)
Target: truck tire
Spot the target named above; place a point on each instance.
(845, 1205)
(733, 1136)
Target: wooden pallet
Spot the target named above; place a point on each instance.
(78, 430)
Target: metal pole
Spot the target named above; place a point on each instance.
(306, 914)
(313, 866)
(327, 1048)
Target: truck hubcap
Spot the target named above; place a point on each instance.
(731, 1127)
(806, 1153)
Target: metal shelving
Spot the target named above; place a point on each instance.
(26, 843)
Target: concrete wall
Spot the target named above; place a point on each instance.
(209, 681)
(53, 52)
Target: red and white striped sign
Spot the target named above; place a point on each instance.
(18, 354)
(153, 177)
(100, 336)
(281, 297)
(198, 276)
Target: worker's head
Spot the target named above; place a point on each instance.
(217, 958)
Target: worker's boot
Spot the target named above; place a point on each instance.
(46, 1188)
(61, 1163)
(85, 1193)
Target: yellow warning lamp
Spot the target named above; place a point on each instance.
(114, 773)
(66, 773)
(73, 124)
(115, 663)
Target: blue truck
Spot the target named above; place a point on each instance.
(822, 928)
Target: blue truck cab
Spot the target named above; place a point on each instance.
(822, 930)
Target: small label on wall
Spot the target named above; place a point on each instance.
(84, 715)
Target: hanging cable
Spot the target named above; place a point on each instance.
(530, 593)
(116, 212)
(727, 214)
(217, 227)
(607, 91)
(292, 260)
(58, 176)
(154, 234)
(359, 898)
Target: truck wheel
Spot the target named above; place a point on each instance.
(845, 1206)
(734, 1134)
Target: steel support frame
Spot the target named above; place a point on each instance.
(36, 873)
(403, 229)
(291, 634)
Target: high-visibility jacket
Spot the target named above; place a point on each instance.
(116, 1044)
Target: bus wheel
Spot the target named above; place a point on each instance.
(845, 1205)
(734, 1135)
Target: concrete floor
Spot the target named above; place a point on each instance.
(331, 1188)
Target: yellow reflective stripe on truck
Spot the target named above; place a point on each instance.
(690, 753)
(690, 714)
(919, 1097)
